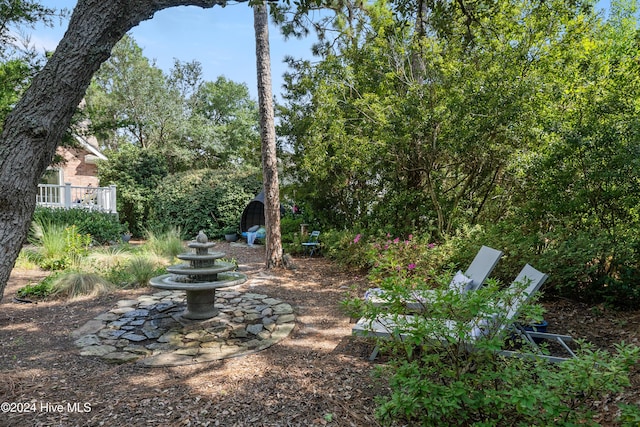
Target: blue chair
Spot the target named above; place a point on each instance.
(313, 244)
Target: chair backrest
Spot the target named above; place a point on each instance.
(533, 279)
(313, 237)
(482, 265)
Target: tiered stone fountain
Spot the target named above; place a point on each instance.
(200, 278)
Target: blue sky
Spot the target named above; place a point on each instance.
(221, 39)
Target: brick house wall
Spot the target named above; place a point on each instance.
(77, 170)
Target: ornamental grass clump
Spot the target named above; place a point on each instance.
(60, 247)
(141, 268)
(73, 284)
(168, 243)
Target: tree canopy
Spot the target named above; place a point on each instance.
(40, 118)
(18, 61)
(518, 117)
(191, 122)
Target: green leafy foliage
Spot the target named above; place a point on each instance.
(14, 76)
(103, 227)
(291, 234)
(629, 415)
(19, 61)
(412, 126)
(136, 173)
(209, 200)
(60, 246)
(348, 248)
(39, 290)
(482, 389)
(446, 368)
(187, 121)
(230, 119)
(435, 123)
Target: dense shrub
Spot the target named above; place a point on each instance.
(591, 265)
(594, 266)
(438, 390)
(383, 254)
(441, 374)
(136, 172)
(347, 247)
(209, 200)
(291, 234)
(103, 227)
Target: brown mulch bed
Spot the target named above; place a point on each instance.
(319, 375)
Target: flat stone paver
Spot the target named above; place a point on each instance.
(151, 330)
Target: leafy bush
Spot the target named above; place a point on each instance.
(594, 266)
(209, 200)
(447, 368)
(383, 254)
(588, 264)
(482, 389)
(39, 290)
(103, 227)
(347, 247)
(291, 233)
(290, 229)
(629, 415)
(137, 173)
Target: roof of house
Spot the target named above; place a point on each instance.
(90, 147)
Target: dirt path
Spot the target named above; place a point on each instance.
(319, 375)
(316, 376)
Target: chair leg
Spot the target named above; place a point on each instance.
(374, 353)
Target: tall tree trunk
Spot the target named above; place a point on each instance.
(268, 137)
(35, 126)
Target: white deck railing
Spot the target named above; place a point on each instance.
(66, 196)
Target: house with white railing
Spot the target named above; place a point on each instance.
(102, 199)
(74, 183)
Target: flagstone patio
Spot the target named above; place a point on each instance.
(151, 330)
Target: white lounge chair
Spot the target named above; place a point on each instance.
(401, 327)
(479, 270)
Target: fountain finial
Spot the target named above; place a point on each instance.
(201, 237)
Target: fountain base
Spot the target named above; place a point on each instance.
(201, 296)
(200, 305)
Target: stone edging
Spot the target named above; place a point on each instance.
(150, 329)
